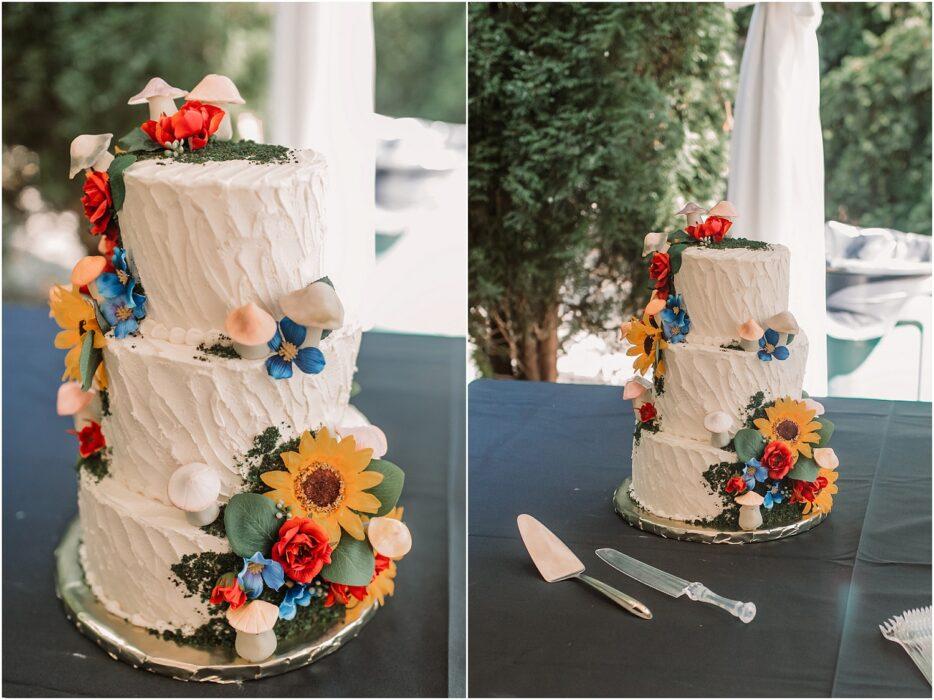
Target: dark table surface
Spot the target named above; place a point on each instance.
(413, 387)
(558, 452)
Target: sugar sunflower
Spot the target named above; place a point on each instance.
(647, 343)
(74, 314)
(327, 482)
(823, 501)
(791, 422)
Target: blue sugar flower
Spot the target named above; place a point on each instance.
(753, 472)
(258, 570)
(773, 495)
(124, 319)
(294, 596)
(119, 285)
(287, 344)
(675, 321)
(769, 347)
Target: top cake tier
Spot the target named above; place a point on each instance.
(209, 237)
(723, 288)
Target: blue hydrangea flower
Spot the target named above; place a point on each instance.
(294, 596)
(287, 344)
(769, 347)
(753, 472)
(258, 570)
(124, 319)
(119, 285)
(773, 495)
(675, 321)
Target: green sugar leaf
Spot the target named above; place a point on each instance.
(674, 256)
(389, 490)
(117, 186)
(805, 469)
(89, 360)
(826, 430)
(352, 563)
(251, 524)
(748, 444)
(138, 140)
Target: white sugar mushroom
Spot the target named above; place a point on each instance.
(89, 151)
(749, 334)
(161, 98)
(254, 622)
(654, 242)
(317, 307)
(750, 513)
(220, 91)
(724, 209)
(718, 424)
(366, 436)
(785, 325)
(638, 390)
(826, 458)
(389, 537)
(692, 211)
(194, 488)
(83, 406)
(250, 328)
(815, 406)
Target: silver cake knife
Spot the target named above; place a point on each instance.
(674, 586)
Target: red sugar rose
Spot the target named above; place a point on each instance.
(90, 439)
(659, 269)
(735, 485)
(302, 549)
(647, 412)
(97, 200)
(714, 228)
(778, 459)
(340, 593)
(194, 121)
(806, 491)
(228, 590)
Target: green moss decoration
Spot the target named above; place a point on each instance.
(199, 572)
(264, 457)
(733, 345)
(755, 409)
(732, 243)
(97, 465)
(213, 633)
(227, 352)
(105, 402)
(652, 427)
(658, 382)
(217, 527)
(229, 150)
(783, 513)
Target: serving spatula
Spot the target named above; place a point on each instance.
(555, 562)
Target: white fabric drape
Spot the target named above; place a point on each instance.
(321, 97)
(777, 160)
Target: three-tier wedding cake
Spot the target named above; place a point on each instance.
(228, 492)
(725, 437)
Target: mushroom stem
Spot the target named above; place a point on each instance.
(785, 338)
(200, 518)
(225, 130)
(720, 440)
(750, 517)
(103, 162)
(256, 647)
(313, 339)
(159, 105)
(693, 218)
(251, 352)
(749, 345)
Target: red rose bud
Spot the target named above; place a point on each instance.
(716, 227)
(90, 439)
(97, 200)
(382, 563)
(302, 549)
(341, 593)
(778, 459)
(735, 485)
(195, 122)
(806, 491)
(659, 269)
(227, 590)
(647, 412)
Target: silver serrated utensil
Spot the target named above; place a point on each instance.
(674, 586)
(555, 562)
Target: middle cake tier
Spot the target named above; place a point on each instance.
(173, 404)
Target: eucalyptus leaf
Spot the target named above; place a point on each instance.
(251, 524)
(748, 444)
(390, 488)
(674, 256)
(805, 469)
(352, 562)
(679, 236)
(117, 186)
(138, 140)
(826, 430)
(89, 360)
(101, 319)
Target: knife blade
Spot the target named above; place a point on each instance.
(673, 585)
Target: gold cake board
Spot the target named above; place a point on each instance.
(142, 649)
(680, 530)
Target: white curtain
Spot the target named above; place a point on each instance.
(321, 97)
(777, 159)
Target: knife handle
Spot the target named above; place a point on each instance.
(744, 611)
(624, 601)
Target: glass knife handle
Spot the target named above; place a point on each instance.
(624, 601)
(744, 611)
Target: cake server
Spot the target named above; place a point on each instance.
(674, 586)
(555, 562)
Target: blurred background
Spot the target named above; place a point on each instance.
(92, 57)
(643, 123)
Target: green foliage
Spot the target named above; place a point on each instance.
(352, 563)
(805, 469)
(390, 488)
(587, 121)
(115, 171)
(251, 524)
(826, 430)
(420, 60)
(89, 360)
(749, 444)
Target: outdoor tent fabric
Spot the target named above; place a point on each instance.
(777, 159)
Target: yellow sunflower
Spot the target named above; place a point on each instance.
(74, 314)
(791, 422)
(647, 344)
(326, 482)
(823, 502)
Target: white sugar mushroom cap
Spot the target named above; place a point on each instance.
(783, 322)
(85, 149)
(635, 387)
(366, 436)
(750, 330)
(690, 208)
(724, 209)
(815, 406)
(826, 458)
(194, 487)
(217, 89)
(389, 537)
(71, 399)
(653, 241)
(314, 306)
(750, 498)
(156, 87)
(255, 617)
(718, 422)
(250, 325)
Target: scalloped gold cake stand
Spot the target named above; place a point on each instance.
(137, 647)
(680, 530)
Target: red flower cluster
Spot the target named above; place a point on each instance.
(227, 590)
(806, 491)
(97, 201)
(341, 593)
(714, 228)
(90, 439)
(778, 459)
(647, 412)
(659, 270)
(735, 485)
(194, 121)
(302, 549)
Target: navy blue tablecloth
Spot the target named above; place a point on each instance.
(558, 452)
(413, 387)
